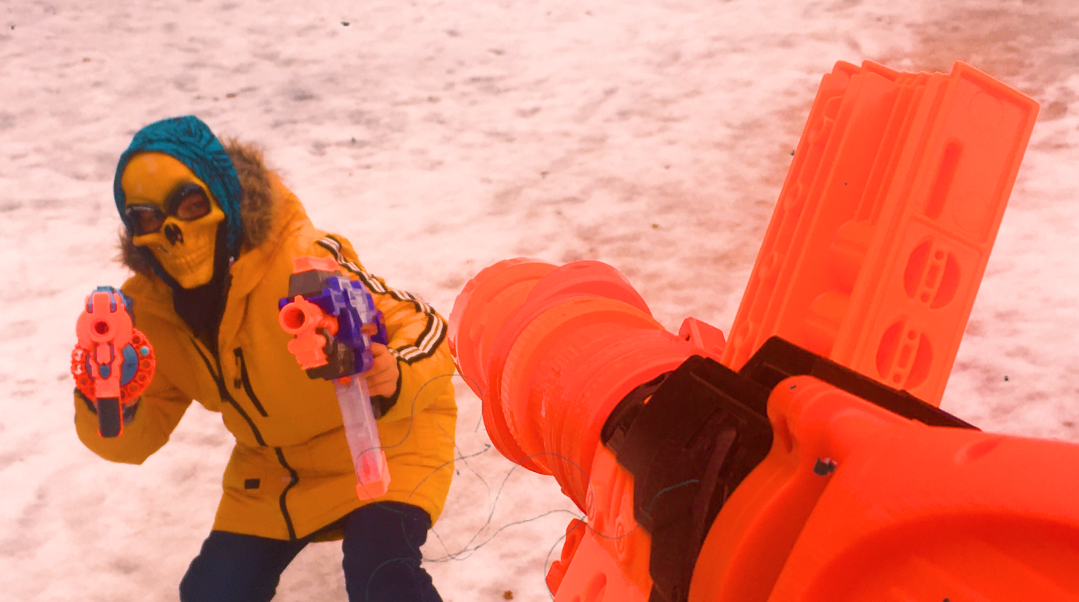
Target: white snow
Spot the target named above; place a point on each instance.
(441, 137)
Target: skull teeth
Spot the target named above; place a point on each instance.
(188, 261)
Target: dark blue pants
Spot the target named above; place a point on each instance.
(381, 560)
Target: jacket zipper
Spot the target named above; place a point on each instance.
(294, 478)
(223, 391)
(218, 379)
(245, 381)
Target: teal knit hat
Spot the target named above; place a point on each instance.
(192, 143)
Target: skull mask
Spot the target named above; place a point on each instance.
(172, 214)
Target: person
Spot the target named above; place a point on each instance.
(211, 233)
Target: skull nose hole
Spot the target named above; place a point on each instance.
(174, 234)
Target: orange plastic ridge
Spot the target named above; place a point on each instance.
(477, 316)
(307, 263)
(885, 222)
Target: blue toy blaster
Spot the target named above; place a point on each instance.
(335, 322)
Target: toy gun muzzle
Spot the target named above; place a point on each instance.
(113, 362)
(312, 329)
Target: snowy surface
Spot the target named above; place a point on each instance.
(440, 137)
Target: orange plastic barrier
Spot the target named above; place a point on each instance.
(884, 225)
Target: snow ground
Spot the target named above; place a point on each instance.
(653, 135)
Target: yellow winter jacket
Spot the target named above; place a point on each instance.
(290, 474)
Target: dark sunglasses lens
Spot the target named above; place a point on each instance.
(145, 220)
(193, 205)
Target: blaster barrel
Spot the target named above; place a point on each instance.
(304, 319)
(552, 352)
(300, 316)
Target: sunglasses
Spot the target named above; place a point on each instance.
(188, 202)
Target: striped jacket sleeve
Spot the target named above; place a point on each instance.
(416, 333)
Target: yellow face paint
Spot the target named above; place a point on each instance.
(153, 181)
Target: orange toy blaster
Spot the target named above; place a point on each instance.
(335, 321)
(112, 363)
(806, 458)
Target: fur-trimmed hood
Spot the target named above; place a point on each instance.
(259, 205)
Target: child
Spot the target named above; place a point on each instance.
(211, 233)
